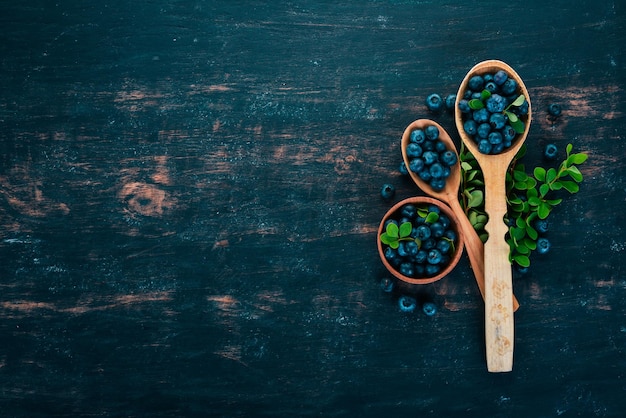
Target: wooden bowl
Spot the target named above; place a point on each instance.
(485, 67)
(454, 258)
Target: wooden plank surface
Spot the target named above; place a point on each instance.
(189, 198)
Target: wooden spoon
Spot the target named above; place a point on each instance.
(499, 324)
(450, 195)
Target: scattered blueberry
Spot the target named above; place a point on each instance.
(407, 303)
(429, 308)
(434, 103)
(541, 225)
(554, 110)
(402, 169)
(388, 191)
(543, 245)
(450, 100)
(386, 284)
(550, 152)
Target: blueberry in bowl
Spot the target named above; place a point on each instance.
(419, 240)
(493, 96)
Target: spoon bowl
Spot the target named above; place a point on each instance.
(450, 196)
(499, 325)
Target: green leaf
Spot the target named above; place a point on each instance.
(556, 185)
(512, 117)
(554, 202)
(570, 186)
(465, 166)
(531, 232)
(540, 173)
(394, 244)
(520, 223)
(519, 101)
(531, 183)
(568, 149)
(517, 233)
(481, 219)
(530, 243)
(475, 199)
(519, 175)
(392, 230)
(405, 229)
(522, 260)
(543, 210)
(522, 249)
(432, 217)
(576, 159)
(485, 94)
(543, 189)
(518, 126)
(520, 185)
(551, 175)
(386, 239)
(534, 201)
(575, 174)
(483, 237)
(475, 104)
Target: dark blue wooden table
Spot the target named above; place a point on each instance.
(189, 198)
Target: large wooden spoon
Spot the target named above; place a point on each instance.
(499, 324)
(450, 196)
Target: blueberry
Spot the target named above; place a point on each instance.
(420, 257)
(523, 109)
(430, 157)
(495, 138)
(417, 136)
(428, 146)
(437, 229)
(450, 101)
(541, 225)
(470, 127)
(488, 77)
(432, 269)
(434, 209)
(467, 94)
(434, 103)
(440, 147)
(386, 284)
(483, 130)
(402, 169)
(436, 171)
(550, 152)
(495, 103)
(543, 245)
(481, 115)
(476, 83)
(497, 148)
(413, 150)
(509, 86)
(424, 174)
(500, 77)
(429, 244)
(408, 211)
(444, 220)
(491, 87)
(508, 133)
(411, 248)
(402, 250)
(388, 191)
(450, 234)
(497, 120)
(432, 132)
(449, 158)
(407, 269)
(484, 147)
(464, 106)
(423, 232)
(391, 221)
(519, 270)
(438, 184)
(554, 110)
(434, 256)
(416, 165)
(429, 308)
(391, 255)
(407, 303)
(444, 246)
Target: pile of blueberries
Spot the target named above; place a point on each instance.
(432, 244)
(489, 126)
(429, 157)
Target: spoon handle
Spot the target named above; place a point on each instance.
(499, 324)
(474, 248)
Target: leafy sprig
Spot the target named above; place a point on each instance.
(394, 234)
(530, 198)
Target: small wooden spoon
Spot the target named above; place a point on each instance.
(450, 195)
(499, 324)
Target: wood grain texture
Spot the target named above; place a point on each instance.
(189, 195)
